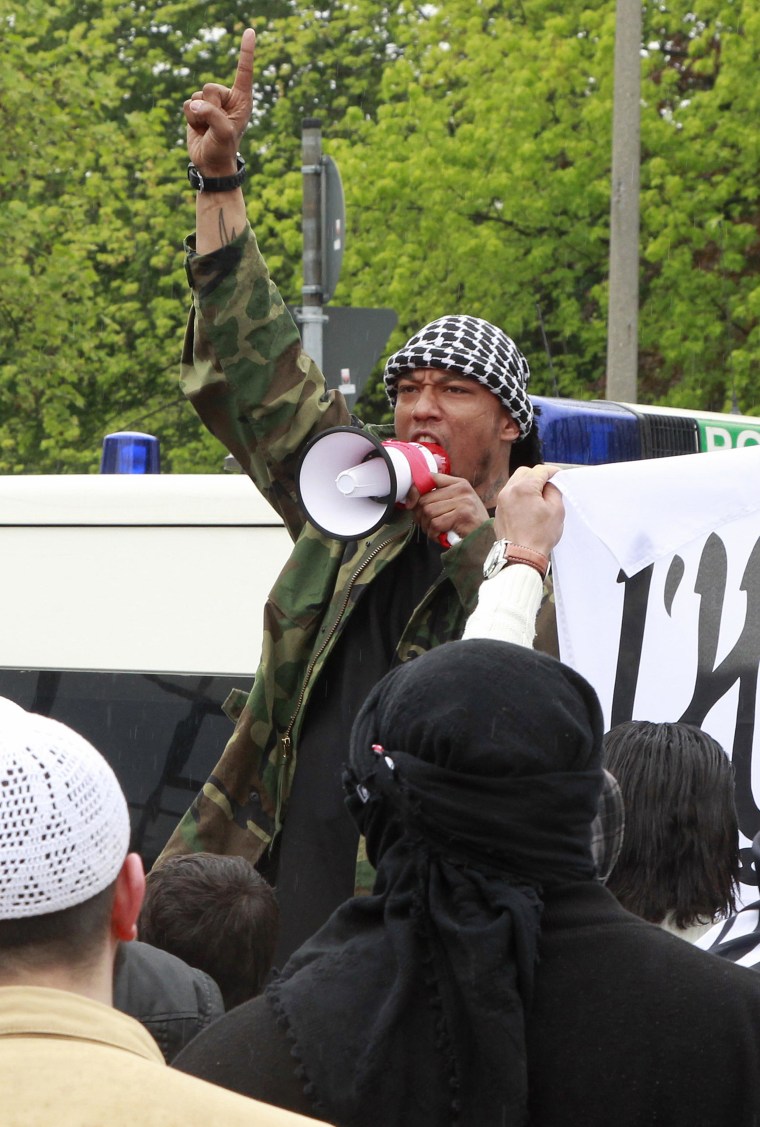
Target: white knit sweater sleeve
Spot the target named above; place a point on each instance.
(507, 606)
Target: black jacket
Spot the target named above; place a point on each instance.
(629, 1026)
(171, 999)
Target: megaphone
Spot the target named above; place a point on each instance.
(350, 482)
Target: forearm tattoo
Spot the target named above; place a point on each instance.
(225, 237)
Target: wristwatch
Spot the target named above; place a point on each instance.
(203, 183)
(504, 552)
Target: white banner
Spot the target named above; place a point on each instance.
(657, 582)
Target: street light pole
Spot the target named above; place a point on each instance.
(623, 309)
(311, 315)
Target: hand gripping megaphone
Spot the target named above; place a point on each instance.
(350, 482)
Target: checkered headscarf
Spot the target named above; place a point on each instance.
(475, 348)
(608, 827)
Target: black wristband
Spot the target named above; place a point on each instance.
(203, 183)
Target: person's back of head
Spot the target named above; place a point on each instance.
(70, 893)
(679, 862)
(64, 837)
(218, 914)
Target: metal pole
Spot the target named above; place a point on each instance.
(311, 303)
(623, 311)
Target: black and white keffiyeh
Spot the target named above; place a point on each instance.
(475, 348)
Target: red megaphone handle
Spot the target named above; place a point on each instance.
(449, 539)
(421, 475)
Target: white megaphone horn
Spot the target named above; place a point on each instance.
(350, 482)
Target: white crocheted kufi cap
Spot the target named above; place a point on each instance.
(64, 823)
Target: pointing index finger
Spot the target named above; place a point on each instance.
(244, 74)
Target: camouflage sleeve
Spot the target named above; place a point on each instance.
(547, 639)
(464, 564)
(245, 373)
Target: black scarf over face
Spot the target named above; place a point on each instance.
(474, 775)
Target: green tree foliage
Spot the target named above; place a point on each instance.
(488, 189)
(474, 145)
(91, 289)
(94, 205)
(482, 184)
(700, 333)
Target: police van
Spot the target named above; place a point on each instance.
(131, 602)
(131, 607)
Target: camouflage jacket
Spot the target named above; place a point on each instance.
(245, 373)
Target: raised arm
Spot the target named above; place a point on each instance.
(216, 120)
(243, 367)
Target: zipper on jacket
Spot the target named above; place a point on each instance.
(284, 759)
(286, 740)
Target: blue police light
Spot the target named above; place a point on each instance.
(587, 432)
(128, 451)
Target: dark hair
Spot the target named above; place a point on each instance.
(680, 852)
(71, 937)
(216, 913)
(527, 451)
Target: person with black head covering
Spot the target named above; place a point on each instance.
(490, 979)
(448, 941)
(409, 1006)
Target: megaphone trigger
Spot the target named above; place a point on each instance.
(449, 539)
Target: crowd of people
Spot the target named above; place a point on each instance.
(422, 886)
